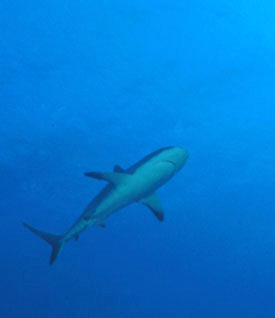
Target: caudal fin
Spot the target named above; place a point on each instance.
(56, 241)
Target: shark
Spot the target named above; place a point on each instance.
(124, 187)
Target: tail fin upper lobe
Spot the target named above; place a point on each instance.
(56, 241)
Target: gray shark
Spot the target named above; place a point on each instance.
(135, 184)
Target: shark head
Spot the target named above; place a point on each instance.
(177, 156)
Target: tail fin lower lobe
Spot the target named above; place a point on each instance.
(56, 241)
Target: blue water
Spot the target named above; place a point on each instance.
(85, 85)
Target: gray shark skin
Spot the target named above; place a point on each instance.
(135, 184)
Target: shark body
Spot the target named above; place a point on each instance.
(135, 184)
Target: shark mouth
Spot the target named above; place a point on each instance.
(171, 162)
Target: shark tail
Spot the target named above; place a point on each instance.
(56, 241)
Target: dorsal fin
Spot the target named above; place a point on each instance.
(153, 203)
(117, 168)
(114, 178)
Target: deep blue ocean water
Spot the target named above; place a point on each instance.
(85, 85)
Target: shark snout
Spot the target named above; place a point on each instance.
(177, 156)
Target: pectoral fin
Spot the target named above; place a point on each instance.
(114, 178)
(153, 203)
